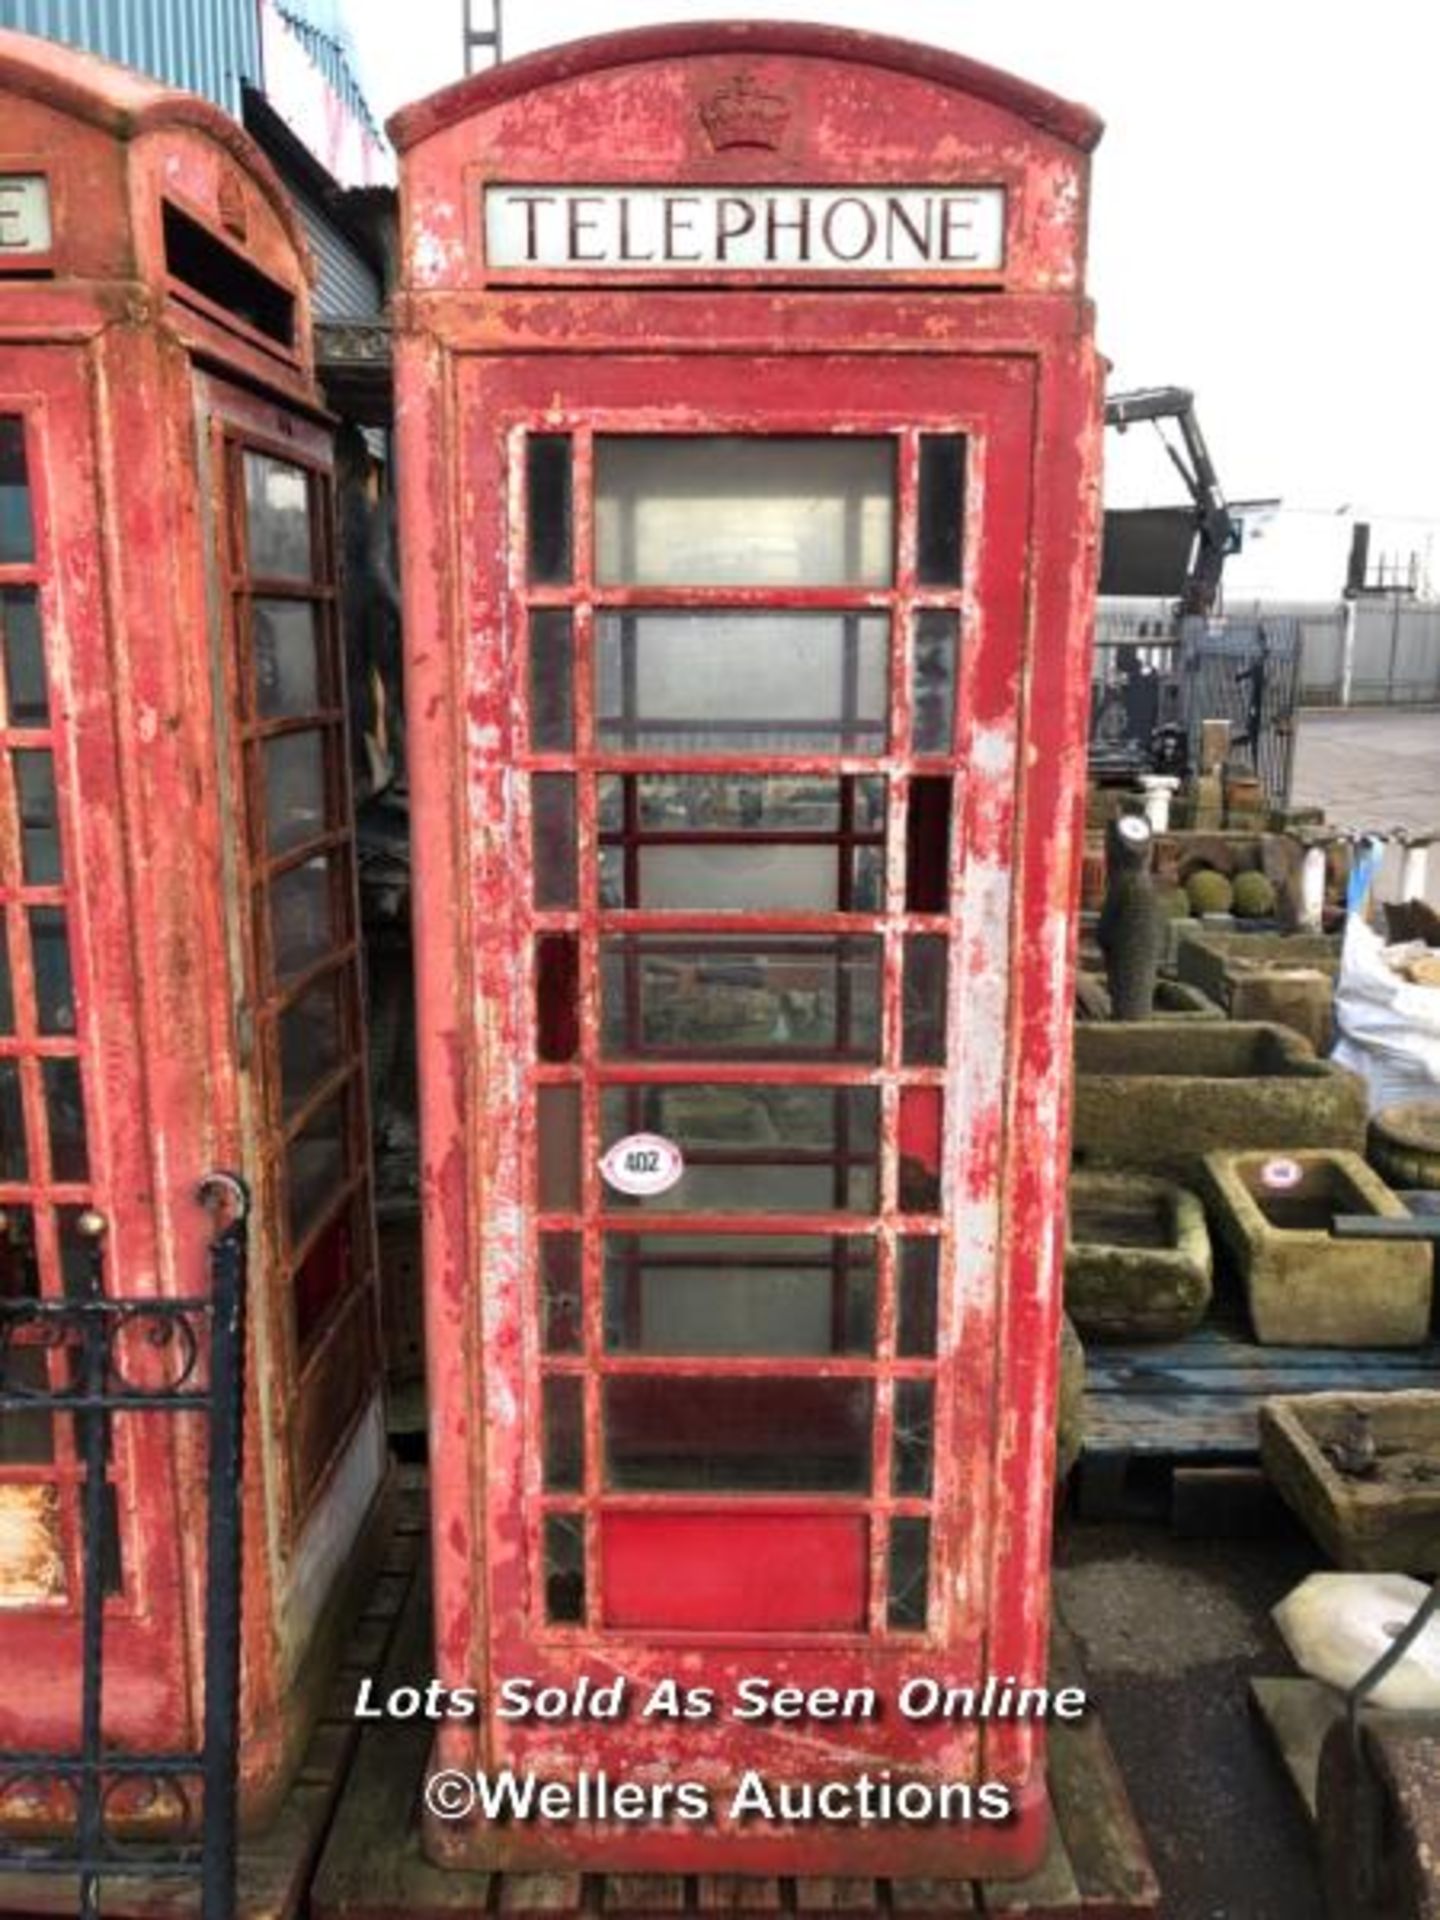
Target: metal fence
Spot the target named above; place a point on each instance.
(1149, 677)
(1393, 645)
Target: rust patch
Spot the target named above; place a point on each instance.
(32, 1566)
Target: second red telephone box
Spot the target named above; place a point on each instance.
(748, 417)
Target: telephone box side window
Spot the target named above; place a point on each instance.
(301, 861)
(44, 1140)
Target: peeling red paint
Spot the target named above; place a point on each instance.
(99, 358)
(483, 359)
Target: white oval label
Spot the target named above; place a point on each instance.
(642, 1163)
(1281, 1175)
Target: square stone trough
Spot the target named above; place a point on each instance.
(1157, 1096)
(1362, 1470)
(1271, 1213)
(1288, 978)
(1137, 1258)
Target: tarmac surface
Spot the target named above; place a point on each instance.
(1171, 1632)
(1373, 768)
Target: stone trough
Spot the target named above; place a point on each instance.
(1362, 1470)
(1158, 1096)
(1287, 978)
(1137, 1258)
(1271, 1213)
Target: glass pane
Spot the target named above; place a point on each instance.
(561, 1313)
(549, 510)
(934, 644)
(942, 509)
(322, 1277)
(27, 1435)
(50, 958)
(26, 700)
(310, 1041)
(65, 1112)
(743, 997)
(927, 846)
(765, 1149)
(562, 1416)
(277, 513)
(726, 511)
(734, 803)
(917, 1297)
(739, 879)
(315, 1160)
(17, 534)
(19, 1267)
(909, 1573)
(771, 1435)
(559, 1148)
(926, 957)
(564, 1568)
(716, 843)
(286, 639)
(40, 831)
(302, 917)
(14, 1159)
(742, 682)
(552, 680)
(912, 1458)
(557, 996)
(922, 1125)
(7, 985)
(867, 880)
(803, 1294)
(552, 804)
(78, 1253)
(294, 774)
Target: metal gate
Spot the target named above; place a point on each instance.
(103, 1358)
(1246, 671)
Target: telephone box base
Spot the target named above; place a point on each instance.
(1093, 1859)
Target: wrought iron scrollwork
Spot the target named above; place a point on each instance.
(168, 1816)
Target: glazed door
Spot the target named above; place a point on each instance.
(764, 667)
(291, 855)
(75, 1151)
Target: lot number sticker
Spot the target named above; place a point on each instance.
(1280, 1175)
(642, 1163)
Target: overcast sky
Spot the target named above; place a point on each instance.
(1264, 222)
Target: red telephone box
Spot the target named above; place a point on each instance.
(178, 973)
(749, 444)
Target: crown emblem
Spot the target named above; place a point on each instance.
(742, 114)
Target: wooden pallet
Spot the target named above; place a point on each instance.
(275, 1867)
(1096, 1867)
(1178, 1407)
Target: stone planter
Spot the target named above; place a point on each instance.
(1070, 1402)
(1403, 1145)
(1213, 961)
(1158, 1095)
(1386, 1520)
(1285, 978)
(1137, 1260)
(1305, 1289)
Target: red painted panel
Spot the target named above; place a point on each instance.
(746, 1572)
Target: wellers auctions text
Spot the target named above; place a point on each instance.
(753, 1799)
